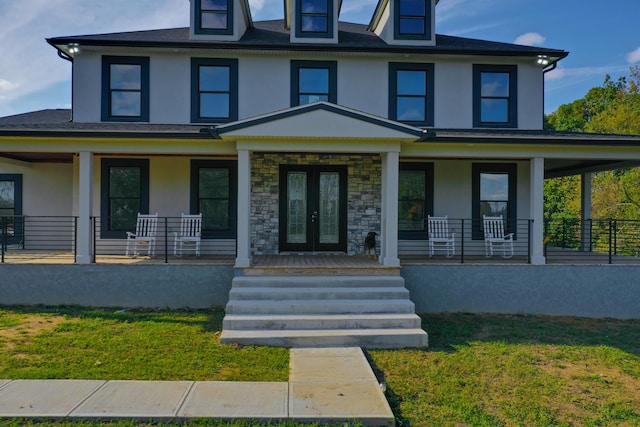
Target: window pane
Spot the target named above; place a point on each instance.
(314, 80)
(126, 76)
(215, 214)
(412, 82)
(314, 6)
(493, 209)
(411, 200)
(213, 20)
(7, 196)
(124, 182)
(214, 78)
(213, 4)
(412, 7)
(215, 105)
(494, 186)
(411, 109)
(213, 183)
(126, 104)
(494, 110)
(123, 214)
(412, 26)
(329, 207)
(308, 99)
(494, 84)
(315, 24)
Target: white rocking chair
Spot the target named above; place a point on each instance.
(494, 235)
(145, 234)
(190, 233)
(439, 236)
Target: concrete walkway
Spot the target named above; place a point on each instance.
(325, 385)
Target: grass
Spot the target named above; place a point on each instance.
(76, 343)
(501, 370)
(480, 370)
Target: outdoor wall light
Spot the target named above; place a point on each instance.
(73, 48)
(543, 60)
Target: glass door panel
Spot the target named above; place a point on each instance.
(297, 207)
(329, 218)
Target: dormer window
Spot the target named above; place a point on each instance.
(314, 18)
(214, 17)
(412, 19)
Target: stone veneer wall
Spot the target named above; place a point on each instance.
(364, 196)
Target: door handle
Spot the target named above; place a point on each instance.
(314, 216)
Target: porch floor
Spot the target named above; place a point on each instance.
(305, 262)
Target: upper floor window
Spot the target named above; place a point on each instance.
(314, 18)
(411, 93)
(125, 88)
(412, 19)
(495, 96)
(214, 90)
(214, 16)
(124, 194)
(313, 81)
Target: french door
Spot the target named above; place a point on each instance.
(313, 208)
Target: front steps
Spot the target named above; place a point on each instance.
(322, 311)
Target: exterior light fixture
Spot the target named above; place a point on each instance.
(543, 60)
(73, 48)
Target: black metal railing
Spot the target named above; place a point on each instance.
(37, 236)
(611, 240)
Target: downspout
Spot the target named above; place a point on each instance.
(64, 56)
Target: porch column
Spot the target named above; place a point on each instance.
(536, 245)
(585, 190)
(243, 244)
(390, 176)
(85, 197)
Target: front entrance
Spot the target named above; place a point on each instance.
(313, 208)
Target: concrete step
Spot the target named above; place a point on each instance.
(329, 293)
(368, 338)
(355, 306)
(317, 281)
(318, 322)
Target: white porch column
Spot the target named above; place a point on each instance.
(536, 245)
(585, 190)
(389, 223)
(243, 243)
(85, 197)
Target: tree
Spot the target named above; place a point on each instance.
(613, 108)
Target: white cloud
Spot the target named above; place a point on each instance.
(28, 65)
(633, 57)
(578, 74)
(530, 39)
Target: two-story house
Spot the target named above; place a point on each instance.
(298, 135)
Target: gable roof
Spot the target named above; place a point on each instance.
(320, 120)
(272, 35)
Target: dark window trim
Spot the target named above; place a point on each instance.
(105, 165)
(314, 34)
(427, 23)
(512, 209)
(512, 70)
(107, 61)
(17, 206)
(197, 27)
(429, 186)
(195, 89)
(332, 66)
(233, 195)
(394, 67)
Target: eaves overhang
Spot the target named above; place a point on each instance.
(512, 137)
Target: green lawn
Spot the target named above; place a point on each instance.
(479, 370)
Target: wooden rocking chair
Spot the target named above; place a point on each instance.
(145, 234)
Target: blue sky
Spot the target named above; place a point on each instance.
(602, 38)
